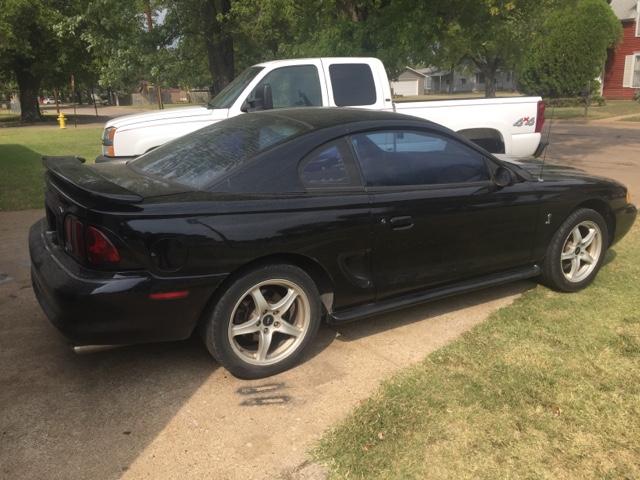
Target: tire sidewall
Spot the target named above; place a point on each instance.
(552, 270)
(216, 328)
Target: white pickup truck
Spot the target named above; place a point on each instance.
(511, 126)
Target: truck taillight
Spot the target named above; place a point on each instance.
(540, 117)
(100, 250)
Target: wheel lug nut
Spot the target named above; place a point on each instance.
(276, 324)
(258, 323)
(266, 330)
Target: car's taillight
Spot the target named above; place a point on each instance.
(540, 117)
(100, 250)
(88, 244)
(74, 236)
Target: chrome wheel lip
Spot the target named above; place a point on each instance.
(581, 251)
(296, 330)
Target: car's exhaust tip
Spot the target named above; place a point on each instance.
(86, 349)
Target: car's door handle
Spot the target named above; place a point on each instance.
(401, 223)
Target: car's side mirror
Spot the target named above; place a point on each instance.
(502, 177)
(259, 99)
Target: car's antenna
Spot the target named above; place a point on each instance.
(544, 157)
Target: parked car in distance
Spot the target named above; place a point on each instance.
(254, 229)
(500, 125)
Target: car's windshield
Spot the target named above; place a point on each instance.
(230, 93)
(205, 156)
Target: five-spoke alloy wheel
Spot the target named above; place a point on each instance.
(576, 251)
(262, 323)
(581, 251)
(269, 322)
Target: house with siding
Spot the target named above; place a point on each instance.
(621, 78)
(431, 80)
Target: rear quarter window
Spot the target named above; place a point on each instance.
(352, 84)
(204, 157)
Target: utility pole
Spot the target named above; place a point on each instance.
(147, 12)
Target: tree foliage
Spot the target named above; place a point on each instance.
(555, 45)
(34, 49)
(570, 48)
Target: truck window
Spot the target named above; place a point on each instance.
(295, 86)
(352, 84)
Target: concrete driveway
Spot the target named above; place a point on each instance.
(169, 411)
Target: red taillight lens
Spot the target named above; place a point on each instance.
(540, 116)
(74, 236)
(100, 250)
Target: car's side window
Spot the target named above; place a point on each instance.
(414, 157)
(328, 166)
(294, 86)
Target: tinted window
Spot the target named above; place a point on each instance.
(352, 84)
(296, 86)
(328, 166)
(399, 157)
(206, 155)
(228, 94)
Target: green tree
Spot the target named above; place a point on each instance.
(33, 48)
(491, 34)
(570, 49)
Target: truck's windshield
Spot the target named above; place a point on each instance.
(230, 93)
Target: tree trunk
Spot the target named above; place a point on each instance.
(452, 78)
(28, 86)
(218, 43)
(490, 83)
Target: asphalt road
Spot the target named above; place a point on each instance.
(168, 410)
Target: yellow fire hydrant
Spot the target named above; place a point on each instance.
(62, 120)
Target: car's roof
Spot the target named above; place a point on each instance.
(325, 117)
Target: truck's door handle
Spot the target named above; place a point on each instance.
(401, 223)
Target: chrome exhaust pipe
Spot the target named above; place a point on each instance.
(86, 349)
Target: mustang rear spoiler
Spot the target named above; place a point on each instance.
(71, 171)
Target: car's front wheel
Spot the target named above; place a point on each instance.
(263, 322)
(576, 251)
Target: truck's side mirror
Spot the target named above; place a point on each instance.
(259, 99)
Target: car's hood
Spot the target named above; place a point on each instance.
(167, 116)
(550, 171)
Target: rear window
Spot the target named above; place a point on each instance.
(352, 84)
(205, 156)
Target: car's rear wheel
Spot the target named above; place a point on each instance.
(263, 322)
(576, 251)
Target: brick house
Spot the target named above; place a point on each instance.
(621, 78)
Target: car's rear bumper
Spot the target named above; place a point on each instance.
(624, 221)
(98, 308)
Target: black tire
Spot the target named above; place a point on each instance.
(218, 318)
(552, 272)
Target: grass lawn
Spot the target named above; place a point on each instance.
(548, 387)
(21, 149)
(613, 108)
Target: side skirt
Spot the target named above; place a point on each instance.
(397, 303)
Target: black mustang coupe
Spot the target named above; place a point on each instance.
(254, 229)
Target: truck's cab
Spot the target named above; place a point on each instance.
(359, 82)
